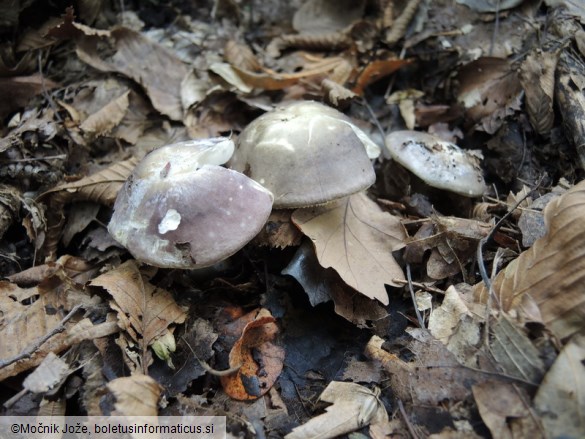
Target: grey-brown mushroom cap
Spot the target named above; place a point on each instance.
(438, 163)
(305, 153)
(189, 219)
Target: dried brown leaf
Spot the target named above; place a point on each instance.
(537, 75)
(354, 407)
(356, 238)
(108, 117)
(489, 90)
(151, 65)
(136, 395)
(321, 16)
(47, 375)
(560, 399)
(241, 56)
(552, 271)
(503, 406)
(145, 312)
(101, 187)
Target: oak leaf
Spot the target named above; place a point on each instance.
(356, 238)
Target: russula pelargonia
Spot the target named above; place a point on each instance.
(306, 154)
(180, 209)
(438, 163)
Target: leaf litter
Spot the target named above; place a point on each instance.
(402, 310)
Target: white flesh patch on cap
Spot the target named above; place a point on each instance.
(170, 222)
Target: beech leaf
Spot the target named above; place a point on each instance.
(354, 407)
(552, 272)
(356, 238)
(144, 311)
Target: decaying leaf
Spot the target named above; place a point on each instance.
(560, 399)
(434, 374)
(101, 187)
(377, 70)
(322, 16)
(29, 332)
(552, 272)
(355, 238)
(47, 375)
(537, 75)
(323, 284)
(104, 120)
(136, 395)
(489, 91)
(259, 360)
(354, 406)
(279, 231)
(152, 66)
(514, 352)
(145, 312)
(505, 409)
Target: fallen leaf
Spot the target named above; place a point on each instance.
(560, 399)
(145, 311)
(151, 65)
(489, 91)
(354, 407)
(537, 75)
(552, 272)
(377, 70)
(136, 395)
(503, 406)
(108, 117)
(101, 187)
(356, 238)
(323, 284)
(47, 375)
(260, 361)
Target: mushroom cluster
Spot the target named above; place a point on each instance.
(180, 209)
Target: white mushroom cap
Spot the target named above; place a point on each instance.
(438, 163)
(306, 154)
(177, 211)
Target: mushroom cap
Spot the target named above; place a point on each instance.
(306, 154)
(438, 163)
(175, 211)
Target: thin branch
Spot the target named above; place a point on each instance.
(31, 349)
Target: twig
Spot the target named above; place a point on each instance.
(208, 368)
(428, 288)
(421, 322)
(406, 420)
(31, 349)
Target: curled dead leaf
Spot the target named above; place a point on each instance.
(260, 361)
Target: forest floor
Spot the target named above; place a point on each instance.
(404, 310)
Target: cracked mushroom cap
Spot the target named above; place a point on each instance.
(179, 209)
(306, 154)
(438, 163)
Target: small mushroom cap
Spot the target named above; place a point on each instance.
(306, 154)
(176, 212)
(438, 163)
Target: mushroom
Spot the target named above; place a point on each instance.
(180, 209)
(438, 163)
(306, 154)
